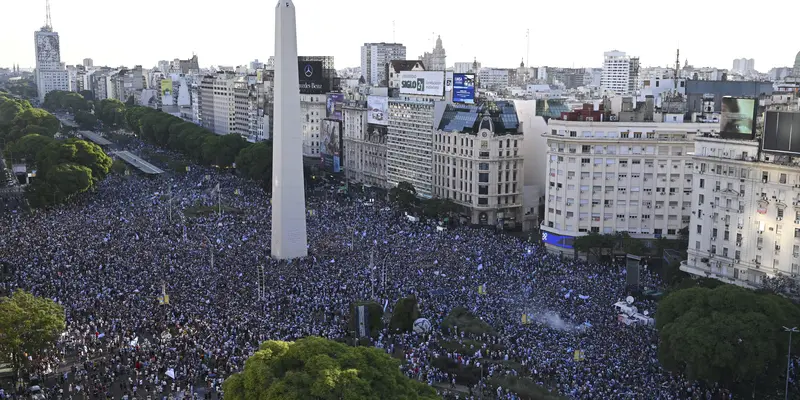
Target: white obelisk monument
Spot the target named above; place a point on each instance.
(288, 192)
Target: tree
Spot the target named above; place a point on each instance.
(255, 162)
(317, 368)
(85, 120)
(27, 147)
(595, 244)
(404, 195)
(728, 335)
(28, 325)
(64, 100)
(405, 312)
(111, 112)
(461, 319)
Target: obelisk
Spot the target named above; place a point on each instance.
(288, 192)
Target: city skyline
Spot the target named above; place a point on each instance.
(221, 37)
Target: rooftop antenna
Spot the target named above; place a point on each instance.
(528, 54)
(47, 22)
(677, 66)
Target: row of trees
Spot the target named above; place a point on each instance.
(201, 145)
(25, 88)
(29, 326)
(73, 102)
(88, 113)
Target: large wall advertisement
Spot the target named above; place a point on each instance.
(334, 105)
(166, 92)
(311, 79)
(331, 150)
(378, 110)
(781, 132)
(464, 88)
(428, 83)
(558, 240)
(738, 118)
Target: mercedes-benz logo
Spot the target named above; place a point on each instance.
(308, 71)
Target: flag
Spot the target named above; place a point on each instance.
(482, 289)
(236, 192)
(579, 355)
(525, 320)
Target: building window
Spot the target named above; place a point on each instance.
(483, 177)
(482, 201)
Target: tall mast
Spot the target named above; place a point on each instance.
(48, 23)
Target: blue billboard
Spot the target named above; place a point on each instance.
(464, 88)
(557, 240)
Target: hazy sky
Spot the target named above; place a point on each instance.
(234, 32)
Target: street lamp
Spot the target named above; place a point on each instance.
(789, 357)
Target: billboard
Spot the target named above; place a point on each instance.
(738, 118)
(310, 75)
(334, 105)
(781, 132)
(558, 240)
(378, 110)
(166, 91)
(331, 143)
(464, 88)
(448, 81)
(428, 83)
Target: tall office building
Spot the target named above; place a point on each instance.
(409, 144)
(88, 63)
(375, 56)
(744, 66)
(616, 72)
(217, 102)
(50, 73)
(289, 238)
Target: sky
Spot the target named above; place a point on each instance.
(562, 34)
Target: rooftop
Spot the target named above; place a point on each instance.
(406, 65)
(466, 118)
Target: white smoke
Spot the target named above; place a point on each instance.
(554, 321)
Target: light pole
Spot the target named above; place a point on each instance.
(789, 357)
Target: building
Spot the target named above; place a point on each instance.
(478, 162)
(217, 103)
(364, 146)
(50, 73)
(745, 223)
(571, 78)
(394, 68)
(436, 60)
(330, 79)
(616, 72)
(88, 63)
(607, 176)
(127, 83)
(796, 68)
(467, 67)
(249, 104)
(312, 112)
(633, 74)
(494, 78)
(375, 56)
(409, 143)
(744, 66)
(697, 90)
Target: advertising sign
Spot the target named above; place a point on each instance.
(558, 240)
(428, 83)
(334, 105)
(464, 88)
(166, 91)
(331, 143)
(378, 110)
(781, 132)
(259, 76)
(738, 118)
(310, 74)
(448, 81)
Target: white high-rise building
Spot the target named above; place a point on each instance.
(313, 111)
(217, 103)
(466, 67)
(50, 73)
(375, 57)
(616, 72)
(744, 66)
(745, 222)
(607, 177)
(493, 78)
(409, 143)
(88, 62)
(289, 239)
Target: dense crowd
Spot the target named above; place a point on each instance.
(107, 257)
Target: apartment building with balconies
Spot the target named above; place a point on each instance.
(745, 220)
(611, 176)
